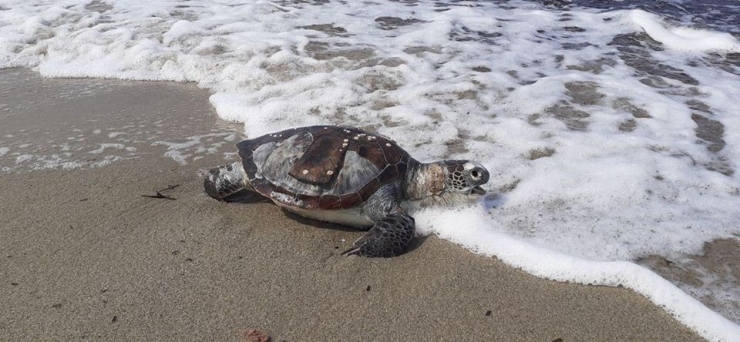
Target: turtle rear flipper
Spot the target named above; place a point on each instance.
(389, 237)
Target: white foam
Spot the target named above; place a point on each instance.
(44, 162)
(4, 151)
(106, 146)
(471, 227)
(23, 158)
(181, 152)
(684, 38)
(607, 177)
(107, 160)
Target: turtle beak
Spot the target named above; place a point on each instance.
(478, 191)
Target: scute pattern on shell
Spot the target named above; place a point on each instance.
(288, 166)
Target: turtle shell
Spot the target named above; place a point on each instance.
(322, 167)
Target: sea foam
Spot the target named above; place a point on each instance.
(684, 38)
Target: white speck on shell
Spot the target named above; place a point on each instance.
(305, 172)
(330, 172)
(388, 144)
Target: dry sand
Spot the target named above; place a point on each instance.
(84, 256)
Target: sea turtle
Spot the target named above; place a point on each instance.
(348, 176)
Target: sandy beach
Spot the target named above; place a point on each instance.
(85, 256)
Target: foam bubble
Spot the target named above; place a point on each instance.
(105, 146)
(112, 135)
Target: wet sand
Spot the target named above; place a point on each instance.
(84, 256)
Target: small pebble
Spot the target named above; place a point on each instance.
(253, 335)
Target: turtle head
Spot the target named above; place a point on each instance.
(445, 182)
(464, 176)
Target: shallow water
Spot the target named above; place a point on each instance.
(610, 133)
(53, 136)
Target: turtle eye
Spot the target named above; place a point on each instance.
(475, 173)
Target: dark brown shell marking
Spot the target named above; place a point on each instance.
(323, 155)
(317, 177)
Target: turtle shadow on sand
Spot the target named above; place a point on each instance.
(249, 197)
(322, 224)
(413, 244)
(245, 197)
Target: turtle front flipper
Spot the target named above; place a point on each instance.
(389, 237)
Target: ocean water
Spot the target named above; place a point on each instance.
(612, 133)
